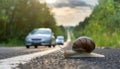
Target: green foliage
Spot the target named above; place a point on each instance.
(60, 31)
(19, 17)
(103, 24)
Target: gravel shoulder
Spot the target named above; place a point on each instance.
(56, 60)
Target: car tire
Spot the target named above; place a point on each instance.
(49, 46)
(36, 46)
(53, 45)
(27, 46)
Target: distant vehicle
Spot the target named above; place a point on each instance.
(40, 36)
(60, 40)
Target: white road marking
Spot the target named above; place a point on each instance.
(13, 62)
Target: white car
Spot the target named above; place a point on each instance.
(60, 40)
(40, 36)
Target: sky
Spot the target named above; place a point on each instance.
(71, 12)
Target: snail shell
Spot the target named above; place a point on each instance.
(83, 44)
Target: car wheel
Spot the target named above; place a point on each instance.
(36, 46)
(53, 45)
(49, 45)
(27, 46)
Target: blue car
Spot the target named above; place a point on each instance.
(60, 40)
(40, 37)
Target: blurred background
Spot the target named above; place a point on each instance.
(98, 19)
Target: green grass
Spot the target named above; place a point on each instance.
(104, 40)
(72, 36)
(107, 40)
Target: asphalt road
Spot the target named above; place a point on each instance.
(56, 60)
(7, 52)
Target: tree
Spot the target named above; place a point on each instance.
(19, 17)
(103, 24)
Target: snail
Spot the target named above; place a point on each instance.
(83, 46)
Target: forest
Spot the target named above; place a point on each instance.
(103, 25)
(19, 17)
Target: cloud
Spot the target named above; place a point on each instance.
(70, 3)
(67, 16)
(73, 3)
(71, 12)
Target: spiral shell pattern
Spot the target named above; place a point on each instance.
(83, 44)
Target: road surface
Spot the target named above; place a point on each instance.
(56, 60)
(21, 55)
(7, 52)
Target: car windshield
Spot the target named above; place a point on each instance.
(40, 32)
(60, 38)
